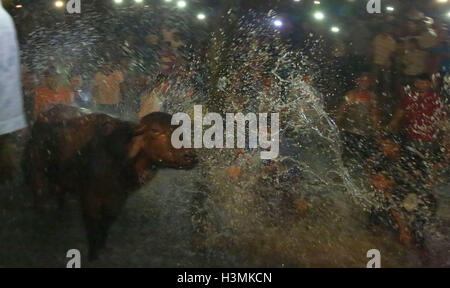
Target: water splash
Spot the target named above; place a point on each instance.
(296, 211)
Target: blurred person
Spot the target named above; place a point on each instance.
(414, 14)
(81, 95)
(408, 29)
(384, 46)
(50, 94)
(346, 64)
(419, 119)
(441, 168)
(441, 51)
(360, 38)
(358, 117)
(12, 116)
(414, 60)
(403, 203)
(169, 61)
(269, 94)
(137, 85)
(427, 37)
(129, 84)
(439, 60)
(445, 87)
(106, 88)
(151, 100)
(235, 99)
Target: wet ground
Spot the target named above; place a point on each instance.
(154, 230)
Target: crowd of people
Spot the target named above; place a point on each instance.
(395, 122)
(108, 90)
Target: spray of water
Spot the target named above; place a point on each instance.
(302, 209)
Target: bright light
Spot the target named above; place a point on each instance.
(167, 1)
(278, 23)
(201, 16)
(316, 2)
(19, 6)
(335, 29)
(442, 1)
(296, 0)
(319, 15)
(138, 1)
(59, 4)
(118, 1)
(181, 4)
(448, 14)
(390, 8)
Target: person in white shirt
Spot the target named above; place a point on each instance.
(12, 116)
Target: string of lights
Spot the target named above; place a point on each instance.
(318, 14)
(180, 4)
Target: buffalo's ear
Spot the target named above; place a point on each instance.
(135, 146)
(137, 141)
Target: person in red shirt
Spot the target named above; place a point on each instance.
(420, 112)
(419, 119)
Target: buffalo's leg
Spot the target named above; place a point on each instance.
(91, 207)
(39, 185)
(35, 166)
(99, 213)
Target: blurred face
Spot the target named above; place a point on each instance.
(75, 82)
(28, 79)
(423, 85)
(365, 82)
(51, 81)
(412, 27)
(268, 82)
(390, 148)
(107, 66)
(236, 81)
(381, 183)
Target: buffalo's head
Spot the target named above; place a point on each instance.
(152, 140)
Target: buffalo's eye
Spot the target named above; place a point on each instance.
(155, 131)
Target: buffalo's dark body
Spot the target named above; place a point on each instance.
(87, 155)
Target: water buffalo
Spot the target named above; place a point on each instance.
(100, 158)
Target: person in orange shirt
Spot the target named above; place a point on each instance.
(50, 94)
(107, 88)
